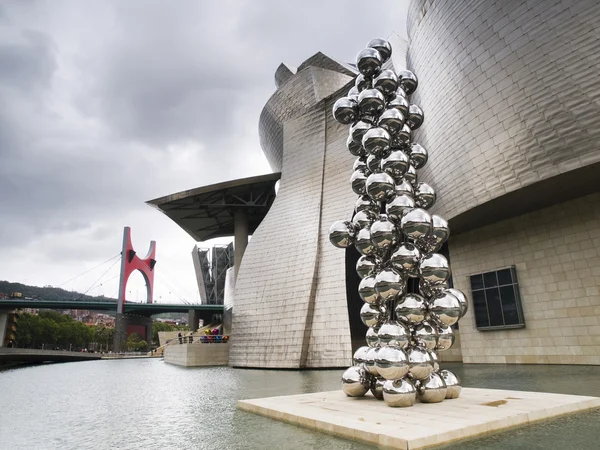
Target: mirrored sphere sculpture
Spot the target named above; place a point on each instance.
(364, 219)
(345, 110)
(434, 359)
(431, 389)
(371, 314)
(377, 387)
(361, 83)
(399, 393)
(366, 290)
(391, 362)
(434, 269)
(358, 182)
(371, 102)
(365, 265)
(376, 141)
(358, 130)
(369, 363)
(453, 385)
(411, 309)
(419, 361)
(426, 335)
(408, 81)
(368, 61)
(391, 120)
(383, 47)
(355, 382)
(399, 206)
(386, 82)
(418, 155)
(416, 224)
(395, 164)
(364, 203)
(406, 259)
(424, 196)
(360, 355)
(445, 338)
(372, 337)
(389, 283)
(444, 308)
(462, 299)
(400, 103)
(362, 242)
(341, 233)
(383, 232)
(415, 117)
(379, 186)
(394, 334)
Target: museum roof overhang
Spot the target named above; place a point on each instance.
(208, 212)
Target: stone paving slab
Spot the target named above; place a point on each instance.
(475, 412)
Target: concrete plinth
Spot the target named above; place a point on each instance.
(197, 354)
(475, 412)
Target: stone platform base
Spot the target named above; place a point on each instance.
(475, 412)
(197, 354)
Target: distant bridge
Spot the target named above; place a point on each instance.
(39, 356)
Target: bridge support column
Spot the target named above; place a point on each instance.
(193, 319)
(7, 327)
(3, 326)
(127, 324)
(240, 229)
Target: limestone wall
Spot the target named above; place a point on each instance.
(197, 354)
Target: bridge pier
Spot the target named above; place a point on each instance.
(6, 327)
(127, 324)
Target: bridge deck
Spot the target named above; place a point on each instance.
(35, 355)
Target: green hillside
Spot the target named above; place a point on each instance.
(45, 293)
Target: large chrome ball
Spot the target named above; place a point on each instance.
(404, 188)
(452, 384)
(361, 83)
(418, 155)
(366, 290)
(435, 360)
(372, 337)
(353, 93)
(380, 186)
(365, 266)
(420, 363)
(355, 382)
(416, 224)
(360, 355)
(368, 62)
(377, 388)
(426, 335)
(341, 233)
(402, 138)
(370, 360)
(431, 290)
(434, 269)
(444, 308)
(393, 334)
(391, 120)
(399, 393)
(358, 130)
(371, 315)
(411, 175)
(383, 233)
(432, 389)
(358, 182)
(383, 47)
(345, 110)
(415, 117)
(399, 206)
(391, 362)
(462, 299)
(445, 338)
(411, 309)
(386, 82)
(406, 259)
(395, 164)
(400, 103)
(371, 102)
(376, 141)
(439, 234)
(364, 203)
(362, 242)
(355, 148)
(389, 284)
(364, 219)
(360, 164)
(424, 196)
(373, 164)
(408, 81)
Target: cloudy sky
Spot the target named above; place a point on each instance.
(107, 104)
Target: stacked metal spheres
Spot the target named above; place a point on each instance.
(398, 239)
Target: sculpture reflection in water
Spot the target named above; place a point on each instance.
(398, 239)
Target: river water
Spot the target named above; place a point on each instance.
(147, 404)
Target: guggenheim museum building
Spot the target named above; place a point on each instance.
(511, 96)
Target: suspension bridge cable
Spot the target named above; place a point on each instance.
(166, 274)
(87, 271)
(97, 281)
(172, 287)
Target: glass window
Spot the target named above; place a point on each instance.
(496, 300)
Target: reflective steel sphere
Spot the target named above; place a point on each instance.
(432, 389)
(341, 233)
(434, 358)
(358, 130)
(360, 355)
(434, 269)
(364, 219)
(358, 181)
(402, 137)
(426, 335)
(411, 309)
(395, 164)
(345, 110)
(369, 364)
(406, 259)
(371, 102)
(400, 103)
(373, 164)
(360, 164)
(366, 289)
(452, 384)
(462, 299)
(377, 388)
(383, 233)
(420, 363)
(355, 148)
(444, 308)
(386, 82)
(424, 196)
(382, 46)
(365, 265)
(353, 93)
(416, 224)
(368, 62)
(399, 206)
(372, 337)
(411, 174)
(399, 393)
(431, 290)
(362, 242)
(379, 186)
(355, 382)
(371, 314)
(439, 234)
(376, 141)
(361, 83)
(391, 363)
(364, 203)
(408, 81)
(418, 155)
(415, 117)
(445, 338)
(393, 334)
(389, 283)
(391, 120)
(404, 187)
